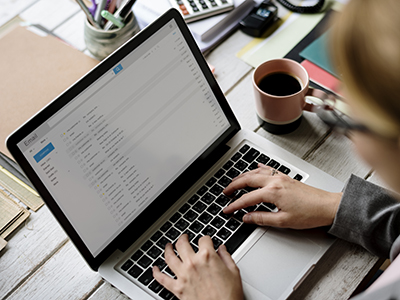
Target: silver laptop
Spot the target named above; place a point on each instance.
(138, 152)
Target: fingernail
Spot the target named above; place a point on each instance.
(247, 218)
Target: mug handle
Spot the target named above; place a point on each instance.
(317, 94)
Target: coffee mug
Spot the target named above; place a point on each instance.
(280, 88)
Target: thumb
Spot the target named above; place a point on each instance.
(263, 218)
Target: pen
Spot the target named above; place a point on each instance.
(112, 6)
(88, 14)
(121, 12)
(110, 17)
(100, 7)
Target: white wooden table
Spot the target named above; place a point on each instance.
(40, 262)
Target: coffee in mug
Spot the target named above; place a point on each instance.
(280, 87)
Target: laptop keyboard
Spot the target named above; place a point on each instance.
(202, 215)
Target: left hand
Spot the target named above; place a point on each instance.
(203, 275)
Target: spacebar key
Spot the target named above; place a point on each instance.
(239, 237)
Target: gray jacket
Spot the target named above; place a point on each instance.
(370, 216)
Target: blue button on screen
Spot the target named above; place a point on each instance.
(117, 69)
(43, 153)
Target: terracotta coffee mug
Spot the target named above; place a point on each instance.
(282, 114)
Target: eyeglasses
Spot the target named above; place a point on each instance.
(336, 119)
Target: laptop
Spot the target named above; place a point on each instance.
(138, 151)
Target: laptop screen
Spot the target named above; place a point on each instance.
(114, 148)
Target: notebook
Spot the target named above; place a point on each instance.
(138, 152)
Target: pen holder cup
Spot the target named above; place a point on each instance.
(101, 43)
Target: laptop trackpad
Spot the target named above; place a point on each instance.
(275, 262)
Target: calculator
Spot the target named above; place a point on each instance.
(193, 10)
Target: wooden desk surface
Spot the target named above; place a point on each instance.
(40, 262)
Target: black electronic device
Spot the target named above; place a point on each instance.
(259, 19)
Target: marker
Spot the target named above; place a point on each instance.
(110, 17)
(122, 12)
(88, 14)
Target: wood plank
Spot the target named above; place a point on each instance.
(310, 135)
(28, 248)
(337, 274)
(336, 157)
(107, 292)
(228, 68)
(65, 275)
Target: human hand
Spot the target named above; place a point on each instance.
(300, 206)
(202, 275)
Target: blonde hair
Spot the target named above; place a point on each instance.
(366, 50)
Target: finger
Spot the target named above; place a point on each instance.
(262, 218)
(171, 259)
(251, 179)
(205, 242)
(183, 247)
(247, 200)
(226, 257)
(163, 279)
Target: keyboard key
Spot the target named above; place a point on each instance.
(173, 234)
(232, 173)
(190, 234)
(160, 263)
(228, 165)
(262, 159)
(211, 181)
(270, 205)
(253, 166)
(273, 164)
(241, 165)
(208, 198)
(263, 208)
(190, 215)
(224, 233)
(224, 181)
(169, 271)
(223, 200)
(199, 207)
(232, 224)
(156, 236)
(202, 190)
(205, 218)
(239, 215)
(224, 216)
(138, 254)
(147, 277)
(250, 208)
(209, 230)
(155, 286)
(175, 217)
(196, 240)
(146, 246)
(196, 226)
(191, 201)
(181, 225)
(239, 237)
(217, 222)
(217, 242)
(162, 242)
(195, 248)
(214, 209)
(219, 173)
(144, 262)
(298, 177)
(236, 157)
(166, 226)
(251, 155)
(127, 265)
(165, 294)
(244, 149)
(284, 169)
(216, 190)
(135, 271)
(154, 252)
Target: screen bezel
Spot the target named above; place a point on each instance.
(172, 193)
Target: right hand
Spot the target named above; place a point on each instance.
(300, 206)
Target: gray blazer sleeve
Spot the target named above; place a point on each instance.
(369, 216)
